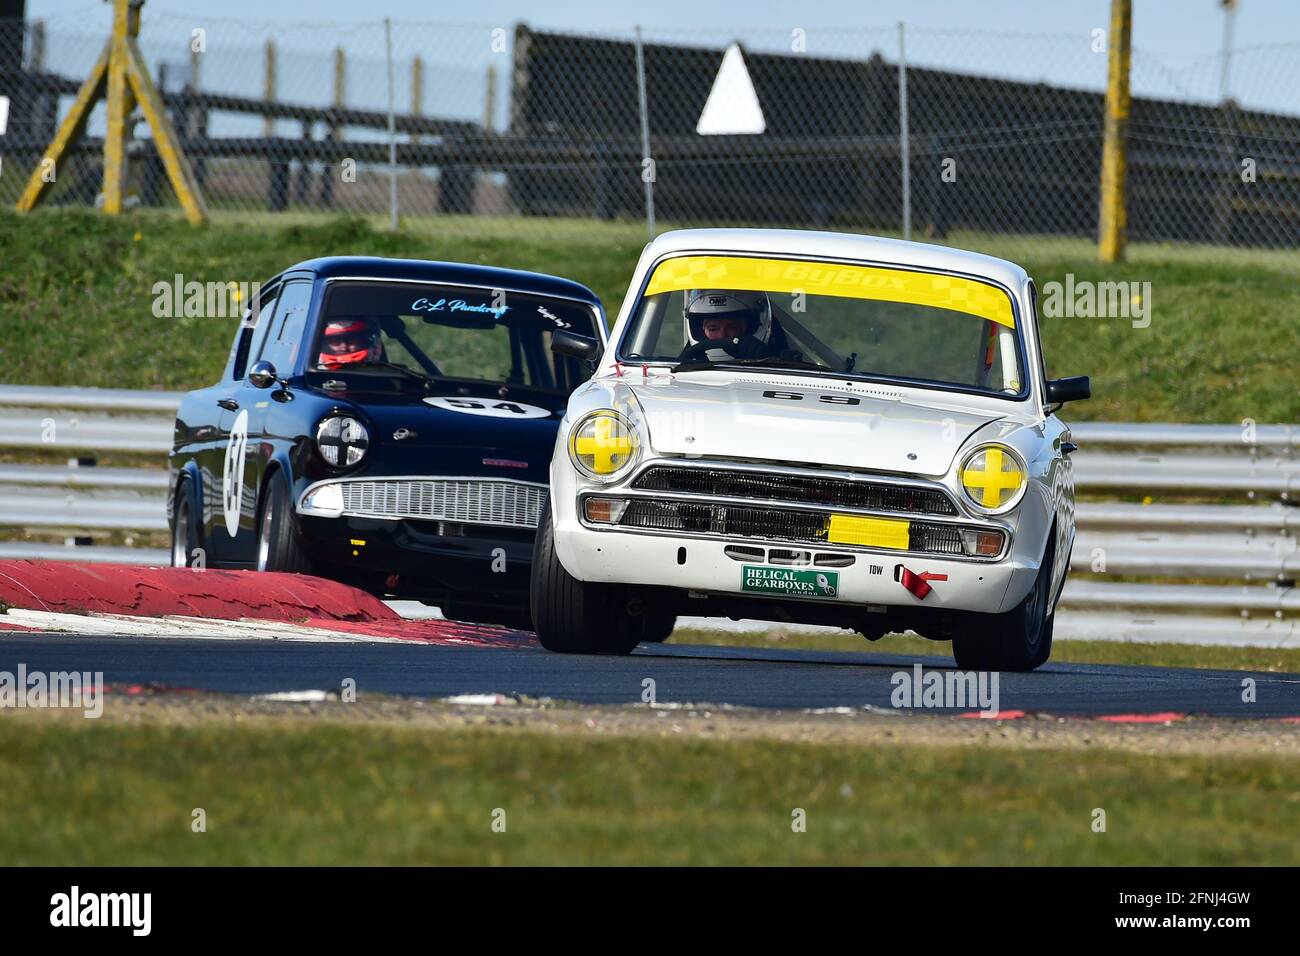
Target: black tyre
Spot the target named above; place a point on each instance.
(1020, 639)
(658, 626)
(186, 539)
(278, 545)
(572, 616)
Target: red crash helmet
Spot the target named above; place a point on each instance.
(348, 341)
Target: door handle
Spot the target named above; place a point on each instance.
(229, 404)
(1067, 447)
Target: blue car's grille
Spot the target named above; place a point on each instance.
(508, 504)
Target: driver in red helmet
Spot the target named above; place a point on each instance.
(350, 341)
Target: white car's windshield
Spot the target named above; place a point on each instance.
(837, 318)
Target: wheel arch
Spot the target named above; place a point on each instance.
(275, 467)
(188, 476)
(188, 472)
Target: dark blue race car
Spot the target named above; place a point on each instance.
(387, 423)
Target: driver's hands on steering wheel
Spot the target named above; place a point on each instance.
(719, 350)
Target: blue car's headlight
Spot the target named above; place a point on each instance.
(342, 441)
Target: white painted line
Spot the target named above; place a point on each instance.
(416, 611)
(727, 626)
(123, 625)
(296, 696)
(479, 700)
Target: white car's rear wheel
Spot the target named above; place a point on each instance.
(572, 616)
(658, 626)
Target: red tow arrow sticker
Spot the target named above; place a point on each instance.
(917, 584)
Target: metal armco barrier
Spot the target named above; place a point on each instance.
(1236, 562)
(86, 419)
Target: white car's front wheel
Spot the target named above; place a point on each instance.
(1018, 640)
(577, 617)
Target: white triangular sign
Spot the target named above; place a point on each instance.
(732, 107)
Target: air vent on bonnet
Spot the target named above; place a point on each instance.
(834, 385)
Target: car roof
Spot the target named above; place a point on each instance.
(452, 273)
(838, 245)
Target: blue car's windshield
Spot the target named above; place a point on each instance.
(441, 331)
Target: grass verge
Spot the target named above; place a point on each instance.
(333, 791)
(76, 301)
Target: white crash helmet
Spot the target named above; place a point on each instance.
(701, 304)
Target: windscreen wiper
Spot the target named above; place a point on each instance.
(383, 367)
(768, 362)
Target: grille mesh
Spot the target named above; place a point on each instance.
(805, 489)
(772, 524)
(503, 503)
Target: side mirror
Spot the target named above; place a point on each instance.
(579, 346)
(262, 375)
(1073, 389)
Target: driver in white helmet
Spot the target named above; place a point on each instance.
(726, 324)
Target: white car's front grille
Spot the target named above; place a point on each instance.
(804, 488)
(509, 504)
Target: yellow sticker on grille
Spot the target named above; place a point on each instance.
(847, 281)
(869, 532)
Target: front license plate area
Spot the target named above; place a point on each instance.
(868, 532)
(789, 582)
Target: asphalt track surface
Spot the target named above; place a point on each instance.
(682, 673)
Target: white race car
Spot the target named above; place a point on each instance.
(816, 428)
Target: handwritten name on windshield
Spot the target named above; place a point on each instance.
(458, 305)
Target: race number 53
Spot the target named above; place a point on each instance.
(232, 473)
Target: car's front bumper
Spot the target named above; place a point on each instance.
(437, 562)
(875, 578)
(463, 539)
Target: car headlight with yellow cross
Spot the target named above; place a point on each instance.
(603, 445)
(993, 478)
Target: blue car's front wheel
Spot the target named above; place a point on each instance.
(278, 545)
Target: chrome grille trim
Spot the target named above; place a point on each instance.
(487, 501)
(804, 488)
(736, 521)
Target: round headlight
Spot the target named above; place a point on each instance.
(993, 477)
(342, 441)
(603, 444)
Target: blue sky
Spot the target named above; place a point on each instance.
(1177, 41)
(1181, 27)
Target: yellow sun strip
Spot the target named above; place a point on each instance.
(869, 532)
(608, 449)
(992, 480)
(828, 278)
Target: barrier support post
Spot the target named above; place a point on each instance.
(121, 75)
(1113, 219)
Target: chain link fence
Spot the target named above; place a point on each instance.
(511, 129)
